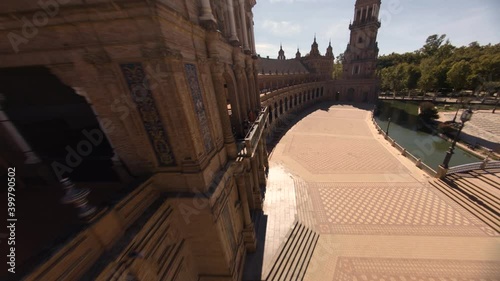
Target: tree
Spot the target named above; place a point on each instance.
(438, 64)
(412, 76)
(428, 112)
(337, 70)
(428, 78)
(458, 74)
(432, 44)
(340, 58)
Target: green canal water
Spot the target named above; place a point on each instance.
(404, 129)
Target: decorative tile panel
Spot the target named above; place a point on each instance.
(194, 86)
(141, 94)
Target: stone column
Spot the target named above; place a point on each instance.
(252, 38)
(248, 228)
(254, 102)
(30, 156)
(249, 187)
(257, 196)
(242, 96)
(218, 81)
(206, 11)
(232, 24)
(244, 26)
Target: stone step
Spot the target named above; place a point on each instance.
(488, 178)
(476, 188)
(294, 255)
(477, 210)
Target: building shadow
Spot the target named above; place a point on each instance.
(254, 261)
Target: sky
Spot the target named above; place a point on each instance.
(406, 24)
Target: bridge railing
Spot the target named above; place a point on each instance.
(473, 166)
(254, 134)
(417, 161)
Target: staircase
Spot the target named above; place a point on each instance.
(477, 191)
(157, 244)
(294, 255)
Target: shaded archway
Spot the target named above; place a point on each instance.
(350, 94)
(233, 106)
(59, 125)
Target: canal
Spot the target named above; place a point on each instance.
(409, 132)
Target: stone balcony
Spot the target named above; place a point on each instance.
(249, 144)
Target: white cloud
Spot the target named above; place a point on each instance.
(266, 49)
(283, 28)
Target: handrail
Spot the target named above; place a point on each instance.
(277, 92)
(473, 166)
(254, 134)
(417, 161)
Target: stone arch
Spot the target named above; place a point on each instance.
(233, 103)
(59, 126)
(281, 106)
(350, 94)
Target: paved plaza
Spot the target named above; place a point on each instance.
(377, 215)
(484, 125)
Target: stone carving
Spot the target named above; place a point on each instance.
(97, 58)
(194, 86)
(160, 52)
(139, 88)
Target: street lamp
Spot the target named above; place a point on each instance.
(456, 113)
(466, 116)
(388, 123)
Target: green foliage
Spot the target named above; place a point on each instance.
(458, 74)
(432, 44)
(428, 111)
(438, 64)
(337, 70)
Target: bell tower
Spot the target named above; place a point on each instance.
(360, 57)
(281, 53)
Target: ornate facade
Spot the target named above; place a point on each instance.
(359, 82)
(314, 71)
(157, 111)
(152, 109)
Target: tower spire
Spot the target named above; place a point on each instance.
(281, 53)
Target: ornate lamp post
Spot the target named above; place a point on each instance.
(456, 113)
(466, 116)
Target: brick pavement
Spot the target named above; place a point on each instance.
(378, 217)
(483, 124)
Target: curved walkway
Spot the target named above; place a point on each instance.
(377, 216)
